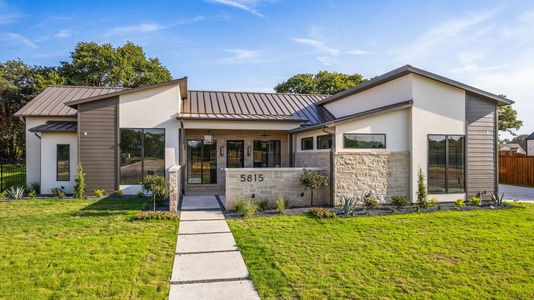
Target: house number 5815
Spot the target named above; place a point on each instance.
(251, 178)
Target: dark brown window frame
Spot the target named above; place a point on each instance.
(189, 163)
(57, 163)
(302, 143)
(325, 135)
(446, 163)
(242, 152)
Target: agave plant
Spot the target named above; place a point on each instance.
(348, 205)
(496, 199)
(16, 192)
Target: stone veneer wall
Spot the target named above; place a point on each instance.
(276, 182)
(384, 173)
(313, 159)
(175, 188)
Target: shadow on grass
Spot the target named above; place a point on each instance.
(112, 206)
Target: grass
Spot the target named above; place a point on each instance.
(68, 249)
(12, 175)
(444, 255)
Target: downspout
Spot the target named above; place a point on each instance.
(291, 151)
(328, 130)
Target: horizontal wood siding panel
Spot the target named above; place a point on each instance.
(98, 149)
(481, 173)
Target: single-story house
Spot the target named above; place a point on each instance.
(511, 150)
(373, 138)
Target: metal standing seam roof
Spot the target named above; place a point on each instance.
(56, 126)
(219, 105)
(51, 101)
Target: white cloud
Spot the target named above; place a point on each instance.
(248, 6)
(319, 45)
(17, 39)
(328, 54)
(7, 13)
(63, 33)
(135, 28)
(241, 56)
(358, 52)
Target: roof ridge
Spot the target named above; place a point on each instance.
(270, 93)
(87, 86)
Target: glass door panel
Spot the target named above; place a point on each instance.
(201, 162)
(266, 154)
(235, 154)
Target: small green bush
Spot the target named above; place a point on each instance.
(248, 209)
(370, 202)
(238, 205)
(264, 205)
(149, 215)
(118, 193)
(3, 196)
(400, 201)
(459, 203)
(282, 203)
(140, 194)
(158, 186)
(79, 187)
(100, 193)
(58, 193)
(321, 213)
(34, 186)
(433, 202)
(474, 201)
(422, 193)
(32, 194)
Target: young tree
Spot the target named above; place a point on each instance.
(422, 194)
(158, 186)
(313, 181)
(324, 82)
(79, 187)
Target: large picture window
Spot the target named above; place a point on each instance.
(266, 154)
(446, 164)
(63, 162)
(142, 154)
(201, 162)
(364, 141)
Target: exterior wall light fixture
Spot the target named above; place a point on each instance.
(221, 150)
(249, 150)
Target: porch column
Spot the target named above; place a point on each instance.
(174, 196)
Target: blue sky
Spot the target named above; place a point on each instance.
(253, 44)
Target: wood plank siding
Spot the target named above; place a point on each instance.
(98, 148)
(481, 146)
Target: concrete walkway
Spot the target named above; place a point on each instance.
(207, 264)
(517, 193)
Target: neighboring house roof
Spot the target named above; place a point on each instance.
(530, 137)
(181, 81)
(512, 147)
(55, 126)
(51, 102)
(405, 70)
(216, 105)
(363, 114)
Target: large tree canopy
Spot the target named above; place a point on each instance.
(90, 64)
(508, 119)
(103, 65)
(324, 82)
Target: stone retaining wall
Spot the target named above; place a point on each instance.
(384, 173)
(270, 183)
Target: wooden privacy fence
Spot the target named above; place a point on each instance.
(516, 170)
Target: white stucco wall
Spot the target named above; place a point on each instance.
(33, 147)
(394, 124)
(153, 108)
(530, 147)
(437, 109)
(395, 91)
(49, 142)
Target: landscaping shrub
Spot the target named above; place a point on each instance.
(282, 203)
(16, 192)
(32, 194)
(400, 201)
(238, 205)
(348, 205)
(433, 202)
(57, 192)
(246, 208)
(118, 193)
(313, 182)
(34, 186)
(264, 205)
(158, 186)
(79, 187)
(370, 202)
(3, 196)
(496, 199)
(140, 194)
(100, 193)
(149, 215)
(321, 213)
(459, 203)
(421, 190)
(474, 201)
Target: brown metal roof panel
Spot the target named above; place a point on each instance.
(55, 126)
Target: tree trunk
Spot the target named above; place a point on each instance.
(312, 197)
(154, 203)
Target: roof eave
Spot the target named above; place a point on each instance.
(240, 119)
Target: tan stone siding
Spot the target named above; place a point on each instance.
(221, 136)
(174, 196)
(385, 174)
(313, 159)
(276, 182)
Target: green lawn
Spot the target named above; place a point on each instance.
(12, 175)
(443, 255)
(83, 249)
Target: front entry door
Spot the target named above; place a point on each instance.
(201, 162)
